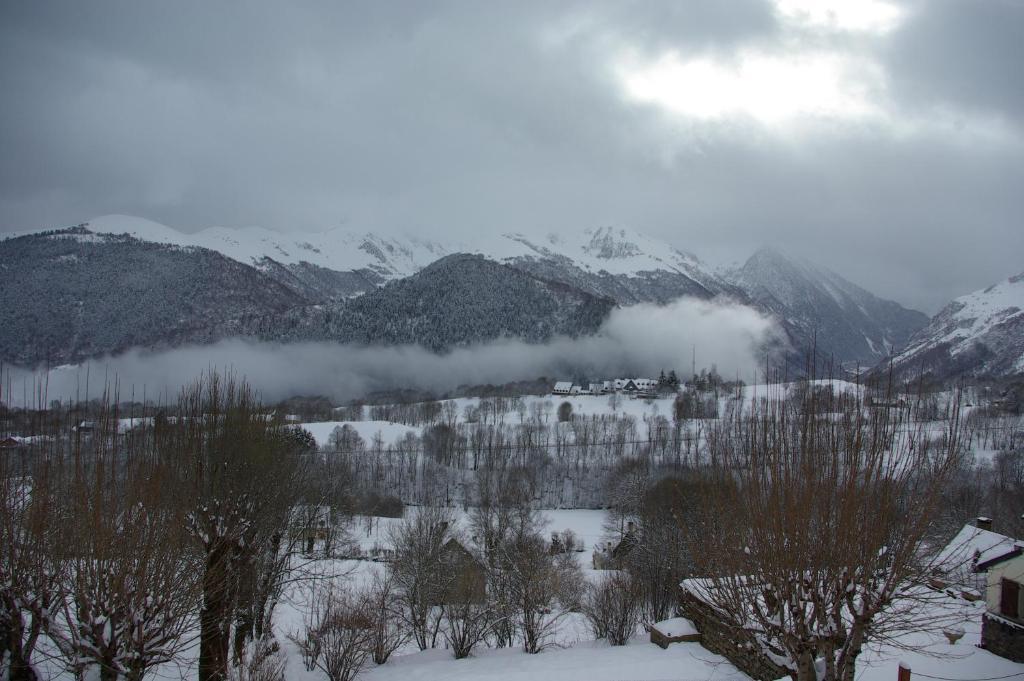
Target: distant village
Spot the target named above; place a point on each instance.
(646, 388)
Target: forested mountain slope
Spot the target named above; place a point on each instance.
(70, 294)
(458, 300)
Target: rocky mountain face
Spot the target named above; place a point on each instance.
(817, 307)
(980, 334)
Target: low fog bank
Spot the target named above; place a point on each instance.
(636, 340)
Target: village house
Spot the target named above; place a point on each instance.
(977, 555)
(468, 582)
(609, 556)
(885, 403)
(980, 563)
(11, 443)
(1002, 625)
(964, 560)
(562, 388)
(637, 387)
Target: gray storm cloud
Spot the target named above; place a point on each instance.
(450, 119)
(637, 340)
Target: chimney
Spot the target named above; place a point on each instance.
(983, 523)
(629, 527)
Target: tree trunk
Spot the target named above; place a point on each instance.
(136, 672)
(108, 673)
(848, 662)
(215, 618)
(805, 667)
(245, 573)
(19, 667)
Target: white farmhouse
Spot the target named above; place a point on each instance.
(1002, 626)
(562, 388)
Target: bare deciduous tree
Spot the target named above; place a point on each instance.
(812, 539)
(132, 574)
(543, 588)
(31, 573)
(466, 623)
(385, 609)
(338, 634)
(660, 557)
(418, 572)
(242, 477)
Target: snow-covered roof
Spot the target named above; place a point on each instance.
(974, 546)
(563, 385)
(699, 587)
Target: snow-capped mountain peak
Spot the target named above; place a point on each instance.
(336, 249)
(980, 333)
(615, 250)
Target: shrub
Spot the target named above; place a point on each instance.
(612, 608)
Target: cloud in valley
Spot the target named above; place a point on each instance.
(638, 340)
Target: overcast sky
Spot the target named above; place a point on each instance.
(882, 139)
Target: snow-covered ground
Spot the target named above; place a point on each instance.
(390, 432)
(587, 661)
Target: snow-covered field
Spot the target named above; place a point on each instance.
(390, 432)
(585, 405)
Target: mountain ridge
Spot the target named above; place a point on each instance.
(325, 274)
(843, 319)
(979, 334)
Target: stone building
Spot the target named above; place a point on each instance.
(1002, 625)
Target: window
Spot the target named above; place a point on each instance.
(1009, 595)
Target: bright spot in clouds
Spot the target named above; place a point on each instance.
(869, 16)
(765, 87)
